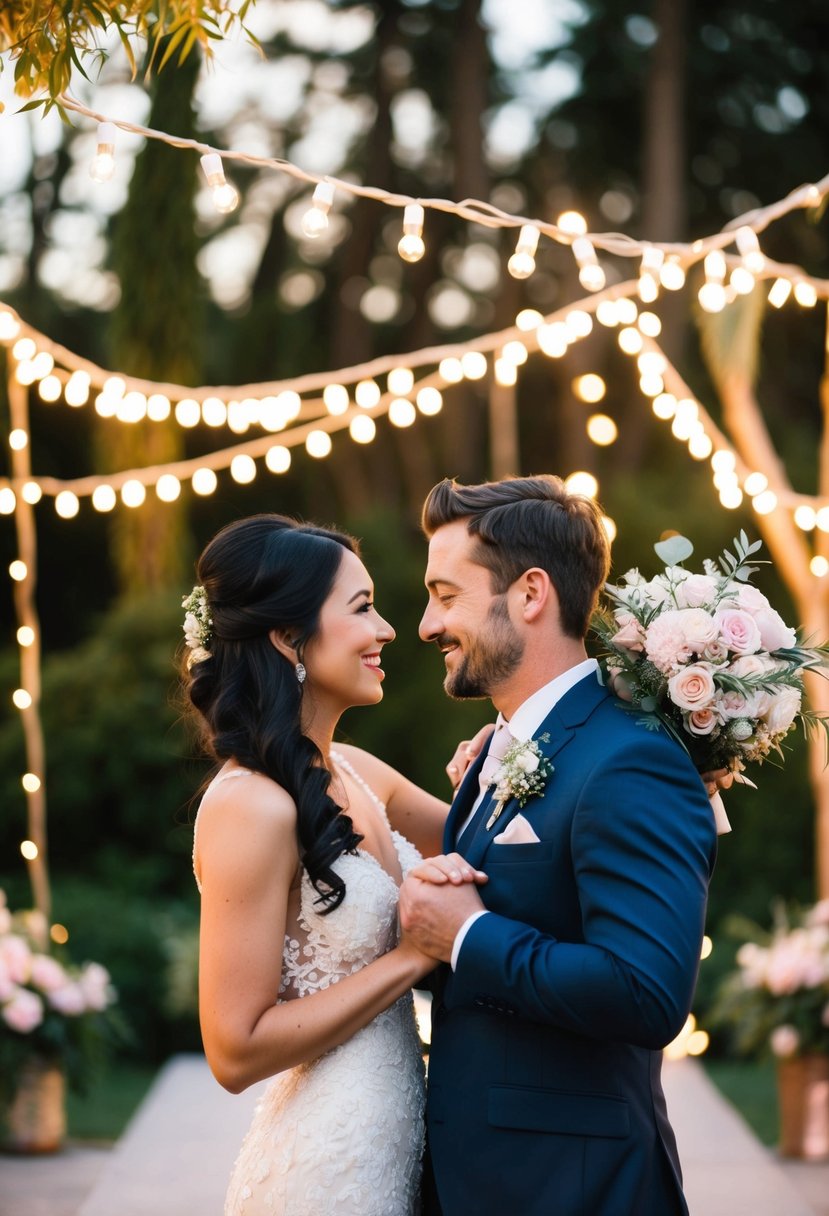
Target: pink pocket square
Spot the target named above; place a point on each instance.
(517, 831)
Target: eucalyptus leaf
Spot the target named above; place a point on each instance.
(673, 550)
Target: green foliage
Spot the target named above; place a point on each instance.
(48, 41)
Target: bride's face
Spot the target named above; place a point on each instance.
(342, 661)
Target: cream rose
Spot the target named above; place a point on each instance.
(698, 627)
(692, 688)
(696, 590)
(775, 634)
(784, 707)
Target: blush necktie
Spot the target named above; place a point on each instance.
(501, 740)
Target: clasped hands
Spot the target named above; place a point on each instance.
(436, 898)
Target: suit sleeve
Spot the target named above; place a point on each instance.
(643, 842)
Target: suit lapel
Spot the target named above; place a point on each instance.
(574, 708)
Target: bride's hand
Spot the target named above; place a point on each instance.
(447, 867)
(718, 779)
(465, 753)
(424, 962)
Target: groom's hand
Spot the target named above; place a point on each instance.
(431, 913)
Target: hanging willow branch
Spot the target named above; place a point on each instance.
(47, 40)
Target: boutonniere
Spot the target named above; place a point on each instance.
(523, 774)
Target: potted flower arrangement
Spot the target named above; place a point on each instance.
(777, 1001)
(56, 1020)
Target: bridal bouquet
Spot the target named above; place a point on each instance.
(706, 655)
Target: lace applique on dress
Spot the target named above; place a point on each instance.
(341, 1135)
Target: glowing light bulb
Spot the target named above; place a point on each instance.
(805, 517)
(411, 246)
(28, 848)
(291, 403)
(700, 446)
(188, 412)
(400, 381)
(590, 388)
(76, 392)
(335, 398)
(25, 636)
(367, 394)
(429, 401)
(24, 350)
(31, 493)
(764, 503)
(522, 263)
(18, 570)
(225, 196)
(664, 406)
(610, 528)
(723, 461)
(104, 498)
(819, 566)
(204, 482)
(9, 326)
(42, 364)
(755, 483)
(50, 389)
(805, 294)
(362, 428)
(158, 407)
(750, 251)
(474, 365)
(514, 352)
(243, 469)
(779, 292)
(67, 504)
(450, 370)
(315, 220)
(602, 430)
(553, 339)
(572, 223)
(168, 487)
(607, 314)
(18, 440)
(103, 162)
(672, 275)
(528, 319)
(401, 412)
(506, 373)
(318, 444)
(742, 280)
(591, 275)
(578, 324)
(630, 340)
(731, 496)
(582, 483)
(21, 698)
(133, 493)
(278, 459)
(214, 411)
(649, 324)
(652, 259)
(822, 519)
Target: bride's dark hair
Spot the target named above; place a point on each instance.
(263, 573)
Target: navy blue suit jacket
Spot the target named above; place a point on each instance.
(545, 1096)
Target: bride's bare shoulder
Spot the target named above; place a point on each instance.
(250, 799)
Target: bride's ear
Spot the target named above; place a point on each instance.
(283, 641)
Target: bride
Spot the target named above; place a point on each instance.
(299, 850)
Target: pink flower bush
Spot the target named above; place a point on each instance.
(708, 656)
(778, 997)
(47, 1008)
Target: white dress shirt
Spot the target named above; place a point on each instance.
(522, 725)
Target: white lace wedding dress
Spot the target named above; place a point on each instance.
(341, 1135)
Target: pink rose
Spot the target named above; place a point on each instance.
(630, 634)
(15, 953)
(784, 1041)
(692, 688)
(665, 643)
(702, 721)
(715, 652)
(23, 1012)
(751, 665)
(738, 630)
(784, 707)
(47, 974)
(95, 985)
(749, 598)
(68, 1000)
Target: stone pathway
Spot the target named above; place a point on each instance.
(175, 1157)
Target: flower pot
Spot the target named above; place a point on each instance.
(803, 1097)
(34, 1121)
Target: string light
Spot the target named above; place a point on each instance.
(315, 220)
(362, 428)
(749, 247)
(18, 570)
(277, 459)
(168, 487)
(553, 339)
(76, 392)
(822, 519)
(188, 412)
(335, 398)
(712, 297)
(474, 365)
(672, 275)
(214, 411)
(652, 259)
(522, 263)
(21, 698)
(819, 566)
(401, 412)
(30, 782)
(805, 294)
(28, 848)
(204, 482)
(104, 498)
(367, 394)
(779, 292)
(67, 504)
(103, 163)
(133, 493)
(602, 430)
(805, 517)
(400, 381)
(411, 246)
(590, 388)
(591, 275)
(243, 469)
(506, 373)
(25, 636)
(582, 483)
(18, 440)
(50, 389)
(9, 326)
(578, 324)
(225, 196)
(528, 319)
(450, 370)
(318, 444)
(429, 400)
(31, 493)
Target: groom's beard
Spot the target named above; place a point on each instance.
(488, 660)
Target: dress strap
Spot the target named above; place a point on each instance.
(223, 776)
(347, 767)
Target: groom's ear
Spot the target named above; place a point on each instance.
(536, 594)
(284, 641)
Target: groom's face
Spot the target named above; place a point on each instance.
(470, 624)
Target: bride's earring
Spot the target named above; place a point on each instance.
(300, 673)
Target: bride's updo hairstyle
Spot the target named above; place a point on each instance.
(263, 573)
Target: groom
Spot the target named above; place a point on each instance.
(575, 963)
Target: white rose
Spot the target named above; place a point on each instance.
(695, 591)
(782, 711)
(527, 761)
(698, 627)
(774, 632)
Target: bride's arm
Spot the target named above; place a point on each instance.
(247, 860)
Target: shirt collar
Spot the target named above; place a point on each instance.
(528, 717)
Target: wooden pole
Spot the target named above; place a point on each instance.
(27, 619)
(504, 459)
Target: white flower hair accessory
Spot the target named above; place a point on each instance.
(198, 625)
(523, 774)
